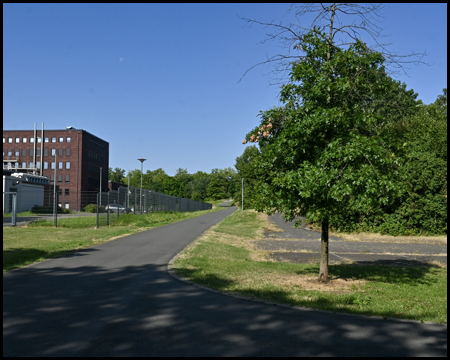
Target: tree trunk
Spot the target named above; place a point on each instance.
(323, 272)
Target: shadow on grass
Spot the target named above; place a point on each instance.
(18, 257)
(352, 303)
(208, 280)
(409, 275)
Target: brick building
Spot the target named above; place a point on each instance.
(79, 157)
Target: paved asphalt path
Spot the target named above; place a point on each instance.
(117, 299)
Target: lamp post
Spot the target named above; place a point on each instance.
(55, 209)
(140, 198)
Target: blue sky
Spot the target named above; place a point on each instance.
(161, 81)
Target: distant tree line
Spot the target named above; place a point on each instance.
(201, 186)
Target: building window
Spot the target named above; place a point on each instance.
(67, 178)
(38, 152)
(38, 164)
(10, 140)
(24, 140)
(31, 152)
(17, 140)
(31, 140)
(60, 180)
(46, 139)
(53, 152)
(9, 152)
(16, 165)
(4, 140)
(66, 192)
(39, 140)
(60, 166)
(24, 165)
(46, 152)
(69, 139)
(53, 139)
(61, 139)
(52, 177)
(68, 165)
(45, 165)
(31, 165)
(24, 152)
(68, 152)
(52, 165)
(16, 152)
(60, 152)
(59, 192)
(66, 205)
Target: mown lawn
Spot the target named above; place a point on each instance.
(225, 259)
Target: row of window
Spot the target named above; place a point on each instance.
(38, 165)
(59, 178)
(31, 139)
(17, 152)
(66, 192)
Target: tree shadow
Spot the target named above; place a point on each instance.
(378, 271)
(18, 257)
(59, 308)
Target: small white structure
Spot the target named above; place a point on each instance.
(29, 189)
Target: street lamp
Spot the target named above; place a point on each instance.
(142, 165)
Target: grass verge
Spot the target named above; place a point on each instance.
(40, 240)
(225, 259)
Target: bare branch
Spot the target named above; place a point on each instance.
(330, 19)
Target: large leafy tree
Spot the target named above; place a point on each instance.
(116, 175)
(326, 150)
(247, 169)
(200, 184)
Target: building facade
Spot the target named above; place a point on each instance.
(71, 157)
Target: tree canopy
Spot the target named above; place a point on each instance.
(326, 151)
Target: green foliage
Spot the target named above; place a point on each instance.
(92, 208)
(247, 169)
(420, 207)
(217, 188)
(48, 210)
(116, 175)
(325, 152)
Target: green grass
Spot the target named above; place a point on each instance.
(24, 213)
(40, 240)
(223, 259)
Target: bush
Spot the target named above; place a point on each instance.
(48, 210)
(92, 208)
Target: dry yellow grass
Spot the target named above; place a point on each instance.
(369, 237)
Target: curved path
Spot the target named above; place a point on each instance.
(117, 299)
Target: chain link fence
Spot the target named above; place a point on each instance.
(49, 205)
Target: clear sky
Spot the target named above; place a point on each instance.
(161, 81)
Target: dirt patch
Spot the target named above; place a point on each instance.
(309, 282)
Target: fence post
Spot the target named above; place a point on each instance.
(14, 209)
(56, 207)
(118, 201)
(107, 211)
(98, 196)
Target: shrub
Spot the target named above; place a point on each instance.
(92, 208)
(48, 210)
